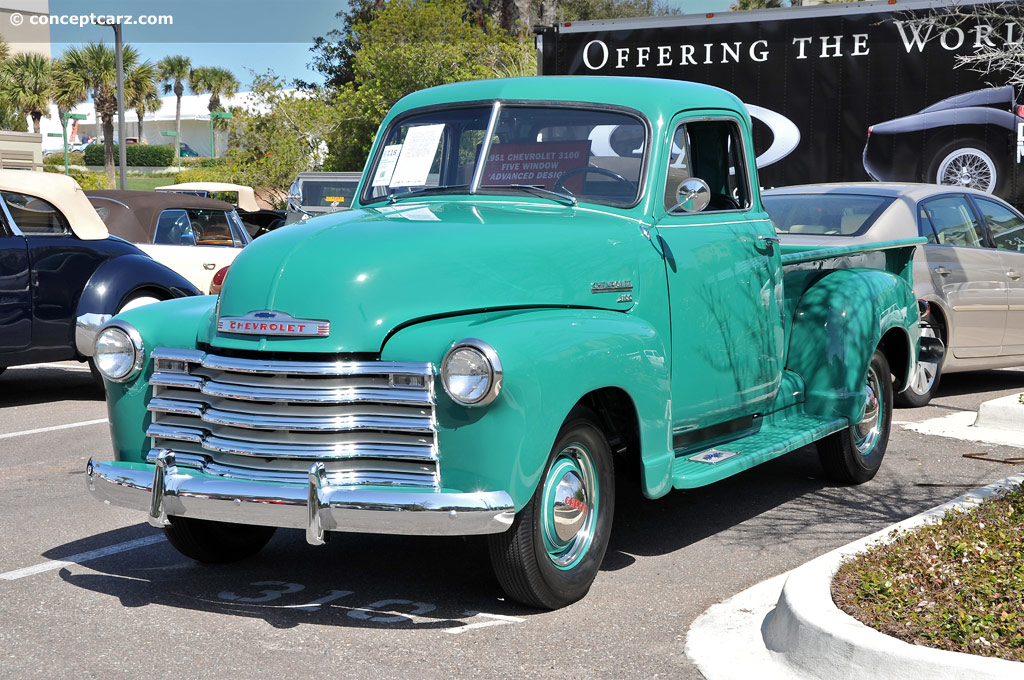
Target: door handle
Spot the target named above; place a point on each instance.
(942, 271)
(769, 240)
(208, 266)
(1013, 275)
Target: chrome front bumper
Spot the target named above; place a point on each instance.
(165, 489)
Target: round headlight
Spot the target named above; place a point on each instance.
(471, 373)
(118, 353)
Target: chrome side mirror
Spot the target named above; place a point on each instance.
(294, 198)
(693, 195)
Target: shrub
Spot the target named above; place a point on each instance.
(204, 175)
(55, 159)
(136, 155)
(89, 181)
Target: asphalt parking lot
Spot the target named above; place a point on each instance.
(94, 591)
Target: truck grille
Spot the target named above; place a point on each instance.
(368, 422)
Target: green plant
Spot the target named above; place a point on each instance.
(957, 584)
(136, 155)
(89, 181)
(203, 175)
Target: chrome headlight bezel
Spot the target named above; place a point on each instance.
(494, 374)
(134, 338)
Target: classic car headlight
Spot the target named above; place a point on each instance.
(471, 373)
(119, 352)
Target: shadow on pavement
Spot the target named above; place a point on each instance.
(25, 386)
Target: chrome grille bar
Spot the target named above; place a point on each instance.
(260, 418)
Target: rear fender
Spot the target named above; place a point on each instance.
(839, 321)
(113, 283)
(550, 359)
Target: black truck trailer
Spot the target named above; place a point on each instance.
(838, 92)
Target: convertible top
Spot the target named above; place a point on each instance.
(133, 215)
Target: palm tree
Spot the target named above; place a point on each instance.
(9, 120)
(175, 72)
(92, 69)
(27, 86)
(141, 90)
(219, 82)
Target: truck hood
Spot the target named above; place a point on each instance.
(370, 271)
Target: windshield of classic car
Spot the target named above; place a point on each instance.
(570, 153)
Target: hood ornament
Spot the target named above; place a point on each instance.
(269, 322)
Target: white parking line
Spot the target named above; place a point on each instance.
(51, 429)
(82, 557)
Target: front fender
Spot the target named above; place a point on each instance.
(113, 283)
(838, 323)
(971, 115)
(550, 360)
(173, 323)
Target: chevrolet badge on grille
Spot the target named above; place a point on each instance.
(267, 322)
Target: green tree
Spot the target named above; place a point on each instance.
(141, 91)
(590, 10)
(410, 45)
(281, 133)
(91, 70)
(27, 86)
(9, 118)
(219, 82)
(175, 71)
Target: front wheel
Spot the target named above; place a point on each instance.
(551, 554)
(218, 542)
(853, 455)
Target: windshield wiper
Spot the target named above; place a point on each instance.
(428, 191)
(540, 191)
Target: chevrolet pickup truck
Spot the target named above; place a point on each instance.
(543, 283)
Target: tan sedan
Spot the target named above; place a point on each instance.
(969, 271)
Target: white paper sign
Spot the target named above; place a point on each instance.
(386, 167)
(417, 156)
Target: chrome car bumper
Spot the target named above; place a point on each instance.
(165, 489)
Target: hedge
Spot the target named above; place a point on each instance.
(136, 155)
(89, 181)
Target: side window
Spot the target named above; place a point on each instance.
(711, 150)
(952, 221)
(210, 227)
(34, 216)
(174, 229)
(1006, 226)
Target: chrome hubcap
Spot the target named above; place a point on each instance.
(569, 506)
(969, 168)
(866, 431)
(924, 376)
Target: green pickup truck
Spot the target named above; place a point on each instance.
(543, 282)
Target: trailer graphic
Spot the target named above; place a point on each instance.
(845, 92)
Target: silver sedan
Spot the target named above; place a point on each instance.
(969, 271)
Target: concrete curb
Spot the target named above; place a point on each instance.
(807, 636)
(1006, 413)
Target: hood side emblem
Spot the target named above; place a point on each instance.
(268, 322)
(611, 286)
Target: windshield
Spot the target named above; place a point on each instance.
(824, 214)
(590, 155)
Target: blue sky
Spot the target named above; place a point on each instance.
(240, 35)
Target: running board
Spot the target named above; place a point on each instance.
(699, 468)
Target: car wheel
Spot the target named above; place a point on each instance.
(551, 554)
(217, 542)
(853, 455)
(924, 383)
(967, 163)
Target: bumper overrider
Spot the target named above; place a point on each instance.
(165, 489)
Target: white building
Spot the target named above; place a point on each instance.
(195, 123)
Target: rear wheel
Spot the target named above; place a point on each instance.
(967, 163)
(853, 455)
(924, 383)
(551, 554)
(216, 542)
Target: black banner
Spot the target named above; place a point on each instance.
(816, 79)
